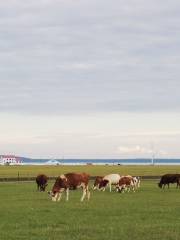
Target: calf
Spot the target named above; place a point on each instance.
(126, 183)
(169, 178)
(111, 179)
(70, 181)
(41, 181)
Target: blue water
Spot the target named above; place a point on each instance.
(100, 161)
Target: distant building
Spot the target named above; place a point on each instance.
(9, 160)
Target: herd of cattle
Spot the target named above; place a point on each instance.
(73, 181)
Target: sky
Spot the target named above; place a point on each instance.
(90, 79)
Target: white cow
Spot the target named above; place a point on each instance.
(111, 179)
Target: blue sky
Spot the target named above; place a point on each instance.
(90, 78)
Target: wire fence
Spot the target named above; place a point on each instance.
(30, 178)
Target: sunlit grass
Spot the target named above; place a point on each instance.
(150, 213)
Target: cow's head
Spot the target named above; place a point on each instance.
(120, 187)
(117, 188)
(54, 195)
(59, 186)
(160, 184)
(43, 187)
(97, 182)
(103, 184)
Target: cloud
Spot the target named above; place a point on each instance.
(135, 149)
(114, 56)
(139, 150)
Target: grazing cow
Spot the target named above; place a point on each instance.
(97, 181)
(169, 178)
(126, 183)
(70, 181)
(111, 179)
(41, 181)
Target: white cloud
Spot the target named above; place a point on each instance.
(134, 149)
(140, 150)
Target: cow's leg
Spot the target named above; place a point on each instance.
(110, 186)
(58, 198)
(127, 188)
(88, 195)
(87, 192)
(84, 193)
(67, 194)
(133, 187)
(122, 190)
(83, 196)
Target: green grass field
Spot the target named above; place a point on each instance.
(32, 171)
(150, 213)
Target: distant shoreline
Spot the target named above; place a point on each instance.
(136, 161)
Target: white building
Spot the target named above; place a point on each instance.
(9, 160)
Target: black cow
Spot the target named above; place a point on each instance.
(169, 178)
(41, 181)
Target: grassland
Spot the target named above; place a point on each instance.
(148, 214)
(32, 171)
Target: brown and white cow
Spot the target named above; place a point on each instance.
(110, 179)
(70, 181)
(126, 183)
(41, 181)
